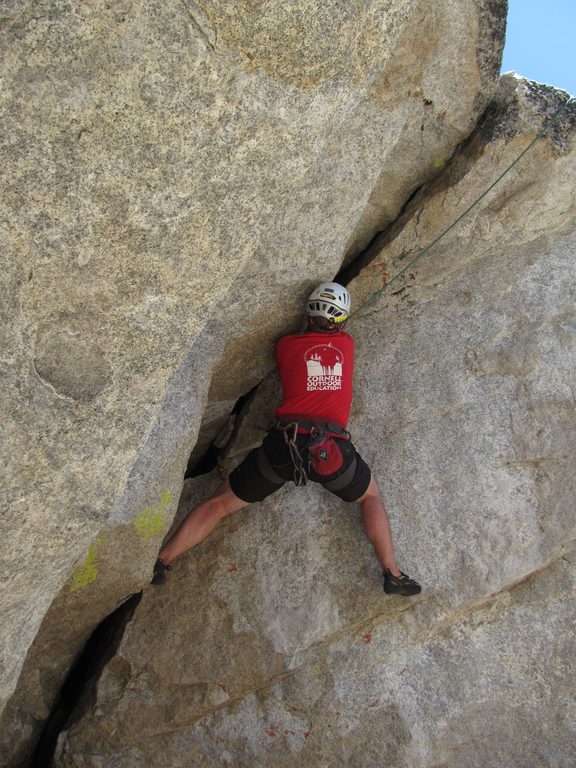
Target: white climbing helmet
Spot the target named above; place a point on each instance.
(331, 301)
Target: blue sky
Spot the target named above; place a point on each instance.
(541, 40)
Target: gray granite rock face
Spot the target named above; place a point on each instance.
(272, 643)
(171, 171)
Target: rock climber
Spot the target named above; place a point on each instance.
(308, 441)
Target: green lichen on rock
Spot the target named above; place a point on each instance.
(151, 521)
(86, 572)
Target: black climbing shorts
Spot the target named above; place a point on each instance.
(250, 483)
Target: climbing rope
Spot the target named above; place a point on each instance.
(541, 134)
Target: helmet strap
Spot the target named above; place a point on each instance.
(323, 325)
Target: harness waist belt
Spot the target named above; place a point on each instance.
(306, 427)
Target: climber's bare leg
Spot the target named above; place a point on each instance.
(200, 522)
(377, 527)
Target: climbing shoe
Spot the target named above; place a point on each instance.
(159, 575)
(400, 585)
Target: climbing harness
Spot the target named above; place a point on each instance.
(322, 454)
(541, 134)
(307, 427)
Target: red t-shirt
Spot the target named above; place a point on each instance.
(316, 371)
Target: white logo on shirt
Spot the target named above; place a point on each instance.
(324, 367)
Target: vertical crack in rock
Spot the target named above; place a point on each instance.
(217, 451)
(380, 240)
(107, 636)
(469, 149)
(101, 646)
(220, 446)
(150, 160)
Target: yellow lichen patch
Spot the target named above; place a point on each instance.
(86, 572)
(151, 521)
